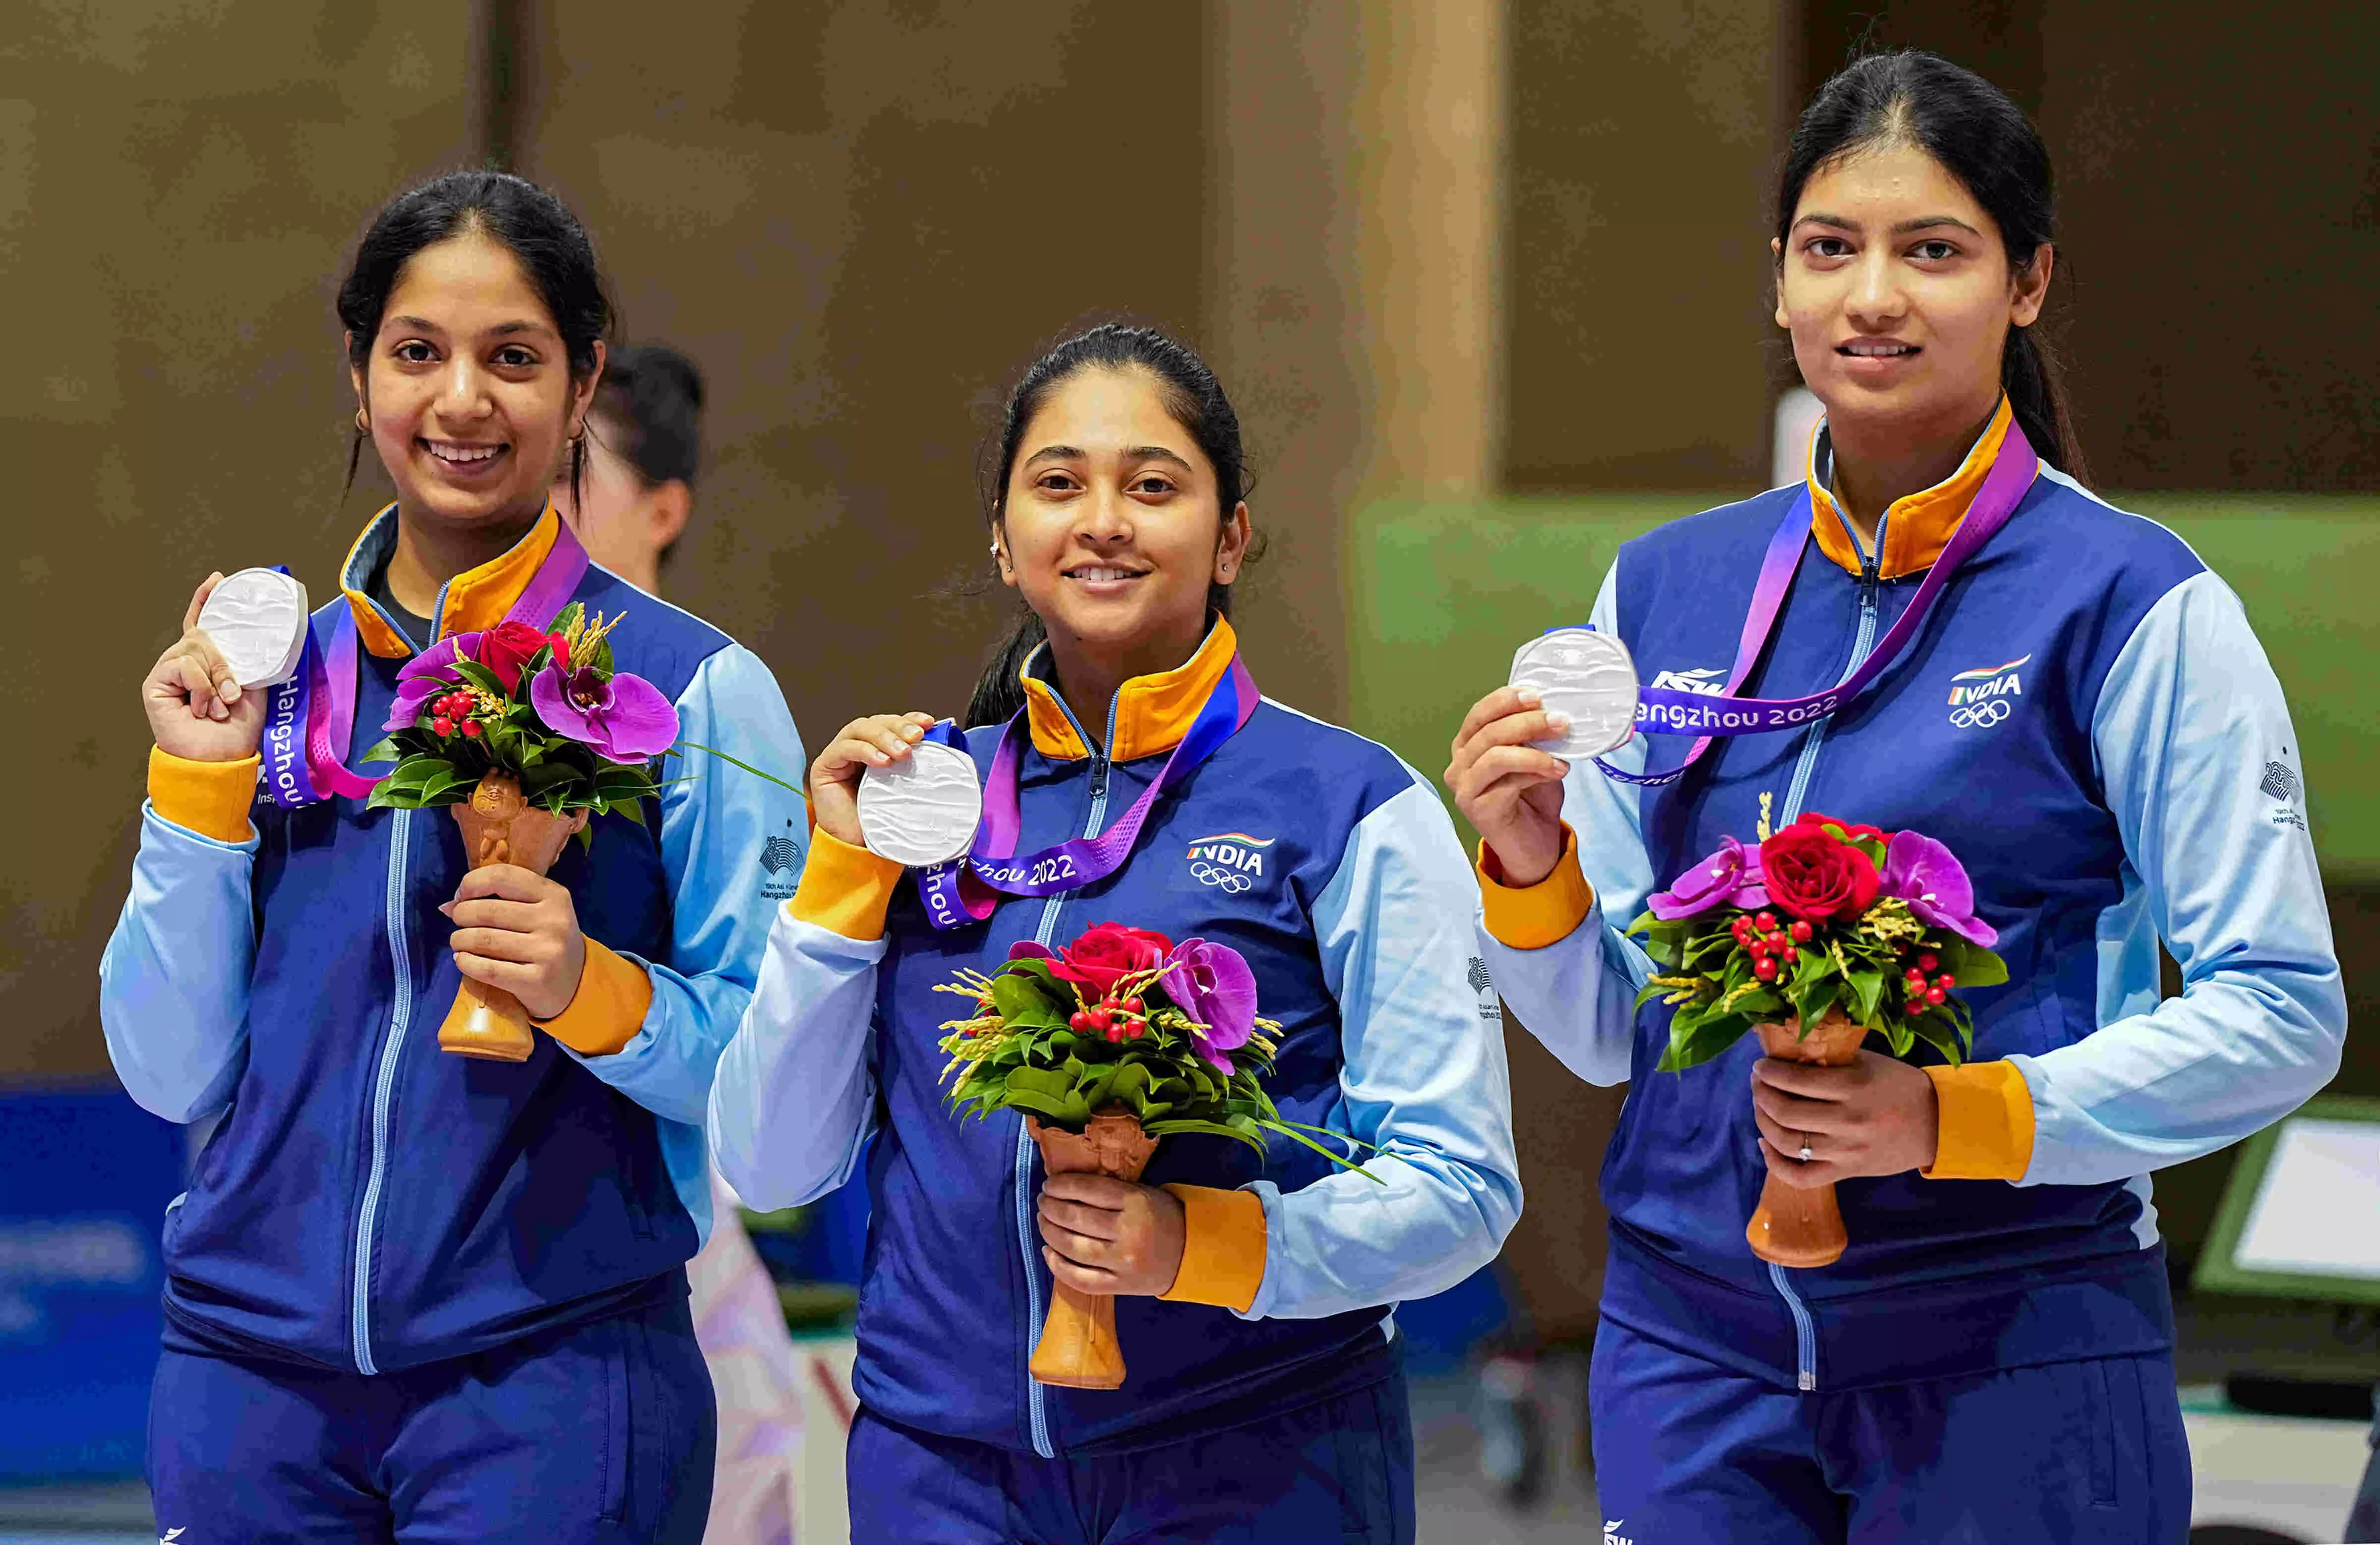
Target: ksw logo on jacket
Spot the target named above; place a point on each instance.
(1982, 699)
(1710, 681)
(1230, 861)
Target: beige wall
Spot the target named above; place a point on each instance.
(1642, 133)
(860, 220)
(179, 187)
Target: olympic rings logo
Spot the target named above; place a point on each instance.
(1980, 717)
(1231, 881)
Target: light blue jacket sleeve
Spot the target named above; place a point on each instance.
(726, 838)
(2201, 767)
(795, 1100)
(172, 986)
(1423, 1079)
(1578, 994)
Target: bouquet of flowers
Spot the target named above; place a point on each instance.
(545, 710)
(1828, 931)
(1122, 1038)
(527, 735)
(1826, 918)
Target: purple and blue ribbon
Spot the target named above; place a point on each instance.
(965, 890)
(309, 720)
(1665, 710)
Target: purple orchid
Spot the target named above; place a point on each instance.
(1924, 874)
(427, 675)
(623, 717)
(1215, 987)
(1730, 877)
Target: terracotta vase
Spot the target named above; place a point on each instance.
(1078, 1347)
(501, 827)
(1795, 1225)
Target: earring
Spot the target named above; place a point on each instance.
(363, 425)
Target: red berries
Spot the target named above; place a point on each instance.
(1926, 962)
(1937, 997)
(1766, 922)
(1079, 1022)
(1945, 981)
(1801, 931)
(1787, 954)
(1765, 969)
(443, 725)
(472, 728)
(1915, 1006)
(1916, 977)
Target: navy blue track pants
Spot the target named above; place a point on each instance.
(2084, 1452)
(1338, 1471)
(594, 1432)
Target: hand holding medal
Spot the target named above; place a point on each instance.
(198, 695)
(877, 747)
(1573, 694)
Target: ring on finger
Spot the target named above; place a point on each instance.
(1804, 1155)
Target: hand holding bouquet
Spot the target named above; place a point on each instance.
(1117, 1040)
(1828, 932)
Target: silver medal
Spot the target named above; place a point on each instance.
(1587, 676)
(922, 809)
(257, 619)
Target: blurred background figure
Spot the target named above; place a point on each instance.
(643, 440)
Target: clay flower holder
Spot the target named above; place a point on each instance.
(1078, 1348)
(1797, 1225)
(501, 827)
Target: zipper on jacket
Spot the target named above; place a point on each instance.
(392, 1043)
(1805, 1336)
(1027, 1238)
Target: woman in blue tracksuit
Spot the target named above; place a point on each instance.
(412, 1296)
(2086, 720)
(1263, 1400)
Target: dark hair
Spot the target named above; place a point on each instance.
(1977, 135)
(654, 394)
(1193, 397)
(523, 218)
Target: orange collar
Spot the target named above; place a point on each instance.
(1918, 525)
(1152, 712)
(471, 602)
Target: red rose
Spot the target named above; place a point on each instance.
(509, 646)
(1108, 952)
(1817, 877)
(1813, 818)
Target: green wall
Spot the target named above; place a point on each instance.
(1444, 592)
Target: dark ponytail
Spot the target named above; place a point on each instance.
(517, 214)
(1977, 135)
(1194, 399)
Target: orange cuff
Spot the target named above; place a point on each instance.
(1531, 917)
(209, 797)
(1222, 1247)
(613, 993)
(844, 889)
(1984, 1123)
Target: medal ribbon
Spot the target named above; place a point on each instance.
(310, 719)
(1665, 710)
(966, 889)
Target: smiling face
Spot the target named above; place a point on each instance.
(1113, 527)
(1896, 289)
(467, 387)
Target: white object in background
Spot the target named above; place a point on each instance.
(922, 809)
(2323, 1175)
(2297, 1474)
(1587, 676)
(740, 1323)
(1797, 419)
(257, 619)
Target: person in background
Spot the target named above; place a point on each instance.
(643, 446)
(644, 438)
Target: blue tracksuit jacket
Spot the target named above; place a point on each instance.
(2088, 723)
(367, 1202)
(1334, 870)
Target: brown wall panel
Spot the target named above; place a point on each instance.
(179, 187)
(860, 220)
